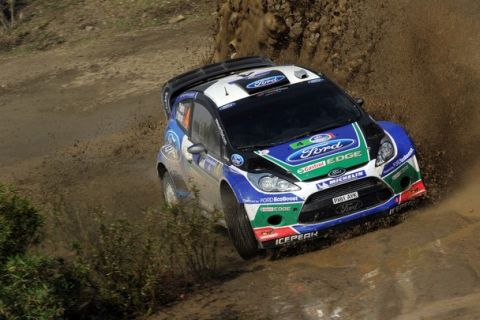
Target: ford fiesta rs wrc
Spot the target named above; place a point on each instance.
(282, 151)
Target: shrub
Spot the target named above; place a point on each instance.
(127, 269)
(20, 223)
(192, 240)
(35, 287)
(136, 267)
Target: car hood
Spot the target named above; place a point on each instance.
(316, 155)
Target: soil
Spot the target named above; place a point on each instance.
(81, 124)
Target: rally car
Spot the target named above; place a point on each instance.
(282, 151)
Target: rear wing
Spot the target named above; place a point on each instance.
(174, 87)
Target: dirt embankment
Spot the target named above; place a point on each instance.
(415, 62)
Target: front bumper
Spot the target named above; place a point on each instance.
(277, 224)
(274, 237)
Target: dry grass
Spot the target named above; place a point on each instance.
(43, 24)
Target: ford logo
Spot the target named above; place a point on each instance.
(237, 160)
(337, 172)
(265, 82)
(319, 150)
(349, 207)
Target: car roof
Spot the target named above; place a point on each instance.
(227, 89)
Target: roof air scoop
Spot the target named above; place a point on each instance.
(300, 74)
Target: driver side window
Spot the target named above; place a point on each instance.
(204, 129)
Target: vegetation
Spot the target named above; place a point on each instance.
(118, 269)
(31, 286)
(19, 224)
(7, 13)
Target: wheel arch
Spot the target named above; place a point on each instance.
(161, 170)
(227, 192)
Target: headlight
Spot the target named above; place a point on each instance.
(386, 152)
(271, 183)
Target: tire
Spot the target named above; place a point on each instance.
(239, 227)
(169, 192)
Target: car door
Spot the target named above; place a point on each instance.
(206, 168)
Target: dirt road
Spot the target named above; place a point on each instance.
(81, 125)
(84, 122)
(424, 268)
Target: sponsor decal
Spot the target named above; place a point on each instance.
(401, 207)
(340, 180)
(320, 150)
(348, 207)
(264, 234)
(186, 95)
(263, 152)
(210, 163)
(403, 159)
(408, 197)
(311, 167)
(212, 166)
(222, 134)
(271, 92)
(346, 156)
(227, 106)
(172, 146)
(297, 237)
(316, 80)
(265, 82)
(416, 190)
(400, 172)
(323, 137)
(318, 138)
(330, 161)
(169, 152)
(276, 209)
(172, 139)
(280, 199)
(337, 172)
(237, 160)
(218, 170)
(165, 99)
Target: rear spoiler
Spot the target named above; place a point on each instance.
(190, 79)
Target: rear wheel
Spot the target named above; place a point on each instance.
(169, 192)
(239, 227)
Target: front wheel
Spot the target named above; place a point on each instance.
(239, 228)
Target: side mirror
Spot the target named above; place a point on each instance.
(359, 101)
(197, 148)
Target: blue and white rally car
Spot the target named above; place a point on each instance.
(282, 151)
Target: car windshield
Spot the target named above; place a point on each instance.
(286, 113)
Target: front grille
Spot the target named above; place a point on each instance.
(319, 206)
